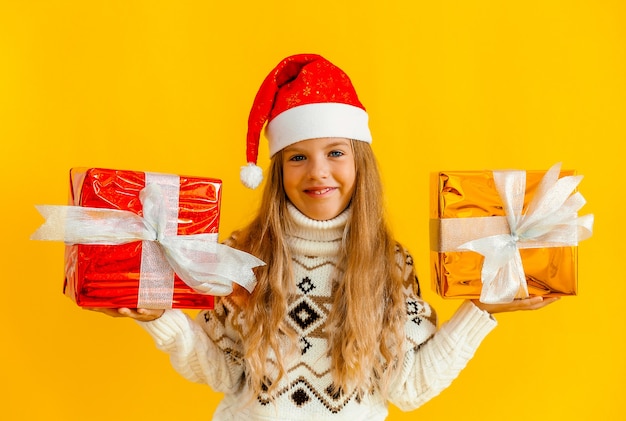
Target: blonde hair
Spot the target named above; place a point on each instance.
(366, 323)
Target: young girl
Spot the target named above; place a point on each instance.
(336, 327)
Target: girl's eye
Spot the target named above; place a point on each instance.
(336, 153)
(297, 158)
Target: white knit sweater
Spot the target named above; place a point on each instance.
(208, 349)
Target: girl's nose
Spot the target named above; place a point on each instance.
(318, 168)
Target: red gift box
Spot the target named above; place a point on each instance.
(114, 276)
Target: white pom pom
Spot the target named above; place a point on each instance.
(251, 175)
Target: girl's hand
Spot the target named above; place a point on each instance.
(532, 303)
(141, 314)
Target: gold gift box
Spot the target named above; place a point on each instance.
(550, 271)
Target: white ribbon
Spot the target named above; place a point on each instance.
(550, 221)
(199, 260)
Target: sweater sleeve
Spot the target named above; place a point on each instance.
(431, 366)
(433, 357)
(203, 350)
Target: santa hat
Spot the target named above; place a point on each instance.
(304, 97)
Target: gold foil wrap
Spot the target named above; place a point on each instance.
(550, 271)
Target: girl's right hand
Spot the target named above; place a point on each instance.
(141, 314)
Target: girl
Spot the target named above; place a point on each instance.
(336, 327)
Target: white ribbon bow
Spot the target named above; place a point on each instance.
(199, 260)
(550, 221)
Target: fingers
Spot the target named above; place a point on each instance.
(112, 312)
(141, 314)
(536, 303)
(532, 303)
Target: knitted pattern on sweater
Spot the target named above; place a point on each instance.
(208, 349)
(307, 385)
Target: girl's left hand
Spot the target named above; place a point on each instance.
(532, 303)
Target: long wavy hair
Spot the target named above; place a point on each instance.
(365, 326)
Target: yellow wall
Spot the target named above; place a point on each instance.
(166, 86)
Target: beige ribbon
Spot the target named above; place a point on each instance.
(199, 260)
(550, 221)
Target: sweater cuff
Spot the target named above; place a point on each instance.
(471, 322)
(166, 327)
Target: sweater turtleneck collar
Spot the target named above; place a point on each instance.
(316, 238)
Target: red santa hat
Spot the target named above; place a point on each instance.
(304, 97)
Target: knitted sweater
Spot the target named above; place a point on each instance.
(208, 349)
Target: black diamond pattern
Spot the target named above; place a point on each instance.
(304, 315)
(300, 397)
(413, 307)
(306, 285)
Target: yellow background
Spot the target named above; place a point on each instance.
(166, 87)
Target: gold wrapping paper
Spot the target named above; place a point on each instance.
(550, 271)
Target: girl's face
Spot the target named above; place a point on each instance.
(319, 176)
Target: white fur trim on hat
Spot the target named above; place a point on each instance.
(313, 121)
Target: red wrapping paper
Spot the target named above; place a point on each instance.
(107, 276)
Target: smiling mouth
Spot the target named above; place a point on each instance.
(320, 191)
